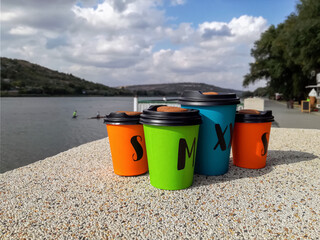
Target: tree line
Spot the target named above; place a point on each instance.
(287, 56)
(22, 78)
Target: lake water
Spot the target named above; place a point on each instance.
(35, 128)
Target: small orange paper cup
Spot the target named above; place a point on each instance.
(127, 144)
(250, 138)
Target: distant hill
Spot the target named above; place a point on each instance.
(22, 78)
(175, 89)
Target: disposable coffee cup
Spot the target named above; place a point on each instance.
(171, 135)
(127, 144)
(251, 138)
(215, 135)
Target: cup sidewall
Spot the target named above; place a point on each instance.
(212, 159)
(250, 144)
(125, 141)
(162, 144)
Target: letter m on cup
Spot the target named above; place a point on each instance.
(183, 148)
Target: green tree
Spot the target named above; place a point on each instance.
(285, 55)
(5, 86)
(247, 94)
(261, 92)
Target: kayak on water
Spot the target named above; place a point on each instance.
(97, 117)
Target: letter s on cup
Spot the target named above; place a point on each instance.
(137, 147)
(262, 146)
(264, 140)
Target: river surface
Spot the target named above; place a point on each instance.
(35, 128)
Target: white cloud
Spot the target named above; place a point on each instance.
(247, 28)
(181, 35)
(133, 16)
(119, 42)
(8, 16)
(177, 2)
(217, 52)
(242, 30)
(23, 30)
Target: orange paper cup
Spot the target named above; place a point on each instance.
(127, 144)
(251, 138)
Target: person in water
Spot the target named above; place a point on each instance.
(74, 114)
(98, 114)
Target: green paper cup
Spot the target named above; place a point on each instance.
(171, 143)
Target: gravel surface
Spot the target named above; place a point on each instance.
(76, 195)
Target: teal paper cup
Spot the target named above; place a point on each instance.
(215, 135)
(171, 136)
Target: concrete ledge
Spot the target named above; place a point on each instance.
(76, 195)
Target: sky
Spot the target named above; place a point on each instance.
(129, 42)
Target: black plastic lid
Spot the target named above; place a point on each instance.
(122, 118)
(258, 117)
(199, 98)
(151, 116)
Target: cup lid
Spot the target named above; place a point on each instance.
(162, 115)
(254, 116)
(199, 98)
(122, 118)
